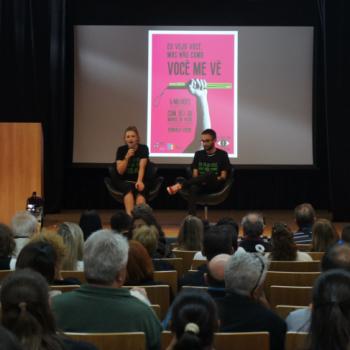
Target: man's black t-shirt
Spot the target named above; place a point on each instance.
(211, 163)
(132, 169)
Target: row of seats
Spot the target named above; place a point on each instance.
(222, 341)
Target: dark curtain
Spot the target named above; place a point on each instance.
(334, 17)
(33, 76)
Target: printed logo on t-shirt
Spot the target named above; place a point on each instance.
(133, 166)
(204, 168)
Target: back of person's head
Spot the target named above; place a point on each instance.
(105, 256)
(73, 239)
(253, 225)
(282, 243)
(345, 234)
(336, 257)
(304, 215)
(120, 221)
(7, 242)
(139, 267)
(8, 341)
(26, 312)
(216, 269)
(142, 208)
(90, 222)
(228, 221)
(330, 318)
(147, 236)
(39, 256)
(191, 233)
(245, 272)
(323, 235)
(194, 320)
(145, 218)
(24, 224)
(217, 240)
(231, 231)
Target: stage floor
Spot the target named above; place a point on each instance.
(170, 219)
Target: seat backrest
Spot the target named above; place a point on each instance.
(64, 288)
(229, 341)
(187, 257)
(80, 275)
(295, 266)
(316, 255)
(196, 263)
(304, 247)
(295, 340)
(156, 309)
(169, 277)
(251, 340)
(157, 294)
(282, 278)
(284, 310)
(288, 295)
(4, 273)
(112, 341)
(176, 263)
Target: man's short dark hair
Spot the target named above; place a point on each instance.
(232, 228)
(217, 240)
(304, 215)
(210, 132)
(336, 257)
(120, 221)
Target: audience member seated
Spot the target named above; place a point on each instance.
(216, 240)
(139, 270)
(194, 321)
(7, 246)
(190, 235)
(25, 311)
(148, 237)
(121, 222)
(305, 217)
(8, 341)
(330, 319)
(215, 277)
(283, 246)
(102, 305)
(323, 235)
(244, 308)
(337, 257)
(142, 208)
(44, 254)
(143, 218)
(345, 234)
(229, 221)
(253, 228)
(24, 225)
(90, 222)
(73, 239)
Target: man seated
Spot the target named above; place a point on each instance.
(304, 217)
(244, 308)
(253, 227)
(102, 305)
(210, 168)
(216, 240)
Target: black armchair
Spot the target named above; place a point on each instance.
(214, 198)
(151, 173)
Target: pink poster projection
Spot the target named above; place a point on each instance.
(192, 86)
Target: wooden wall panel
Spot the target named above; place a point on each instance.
(21, 170)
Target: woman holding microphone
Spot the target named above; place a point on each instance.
(131, 162)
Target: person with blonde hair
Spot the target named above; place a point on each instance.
(131, 162)
(190, 234)
(73, 239)
(323, 235)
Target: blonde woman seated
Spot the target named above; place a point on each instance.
(73, 239)
(324, 235)
(283, 246)
(190, 235)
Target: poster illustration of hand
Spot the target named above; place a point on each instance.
(192, 86)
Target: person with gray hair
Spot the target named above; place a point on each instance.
(102, 305)
(24, 225)
(253, 227)
(243, 309)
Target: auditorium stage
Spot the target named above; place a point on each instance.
(170, 219)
